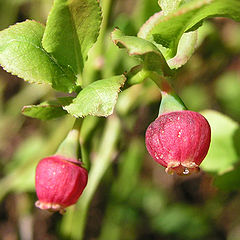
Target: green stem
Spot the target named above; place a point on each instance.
(170, 100)
(78, 215)
(136, 75)
(10, 181)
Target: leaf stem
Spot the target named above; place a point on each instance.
(170, 100)
(136, 75)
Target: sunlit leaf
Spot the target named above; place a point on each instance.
(185, 47)
(185, 50)
(72, 28)
(168, 5)
(145, 50)
(98, 98)
(22, 54)
(167, 30)
(223, 153)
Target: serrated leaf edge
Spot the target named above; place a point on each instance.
(179, 12)
(116, 41)
(167, 72)
(50, 57)
(98, 115)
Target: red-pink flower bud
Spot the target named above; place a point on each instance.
(179, 141)
(59, 182)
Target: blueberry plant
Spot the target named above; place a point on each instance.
(67, 53)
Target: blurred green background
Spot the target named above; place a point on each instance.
(136, 199)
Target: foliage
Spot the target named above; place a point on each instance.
(76, 54)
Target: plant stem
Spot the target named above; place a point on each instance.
(10, 181)
(170, 100)
(139, 77)
(78, 215)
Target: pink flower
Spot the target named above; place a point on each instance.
(59, 182)
(179, 141)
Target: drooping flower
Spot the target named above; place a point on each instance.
(59, 182)
(179, 141)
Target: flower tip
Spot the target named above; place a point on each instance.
(182, 169)
(51, 207)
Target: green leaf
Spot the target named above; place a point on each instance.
(98, 98)
(72, 29)
(176, 217)
(185, 47)
(185, 50)
(168, 5)
(167, 30)
(223, 154)
(148, 26)
(145, 50)
(227, 91)
(47, 110)
(229, 181)
(21, 54)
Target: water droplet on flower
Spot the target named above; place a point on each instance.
(186, 171)
(179, 133)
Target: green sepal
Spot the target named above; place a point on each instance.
(171, 102)
(70, 146)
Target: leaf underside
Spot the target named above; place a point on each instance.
(167, 30)
(47, 110)
(147, 51)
